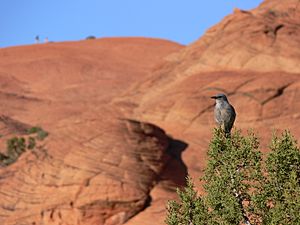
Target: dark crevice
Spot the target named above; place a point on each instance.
(272, 32)
(277, 28)
(278, 93)
(147, 203)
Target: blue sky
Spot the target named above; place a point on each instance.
(62, 20)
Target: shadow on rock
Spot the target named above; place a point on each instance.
(175, 172)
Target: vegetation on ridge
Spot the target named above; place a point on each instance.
(241, 187)
(16, 146)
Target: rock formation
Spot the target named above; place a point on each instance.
(96, 166)
(127, 118)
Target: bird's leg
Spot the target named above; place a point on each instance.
(227, 134)
(223, 126)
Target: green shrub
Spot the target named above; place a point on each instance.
(15, 147)
(240, 187)
(190, 209)
(18, 145)
(91, 37)
(33, 130)
(40, 133)
(282, 187)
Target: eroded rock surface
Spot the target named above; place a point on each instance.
(101, 178)
(112, 105)
(96, 166)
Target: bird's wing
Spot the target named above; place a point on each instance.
(229, 117)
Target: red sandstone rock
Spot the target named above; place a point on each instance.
(97, 167)
(90, 172)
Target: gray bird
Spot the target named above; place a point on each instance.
(224, 113)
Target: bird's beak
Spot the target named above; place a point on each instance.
(214, 97)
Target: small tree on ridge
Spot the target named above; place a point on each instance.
(240, 188)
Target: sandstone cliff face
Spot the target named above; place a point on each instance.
(96, 166)
(264, 39)
(94, 172)
(128, 117)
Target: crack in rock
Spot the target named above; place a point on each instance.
(278, 93)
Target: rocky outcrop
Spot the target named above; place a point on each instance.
(94, 172)
(264, 39)
(111, 106)
(96, 166)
